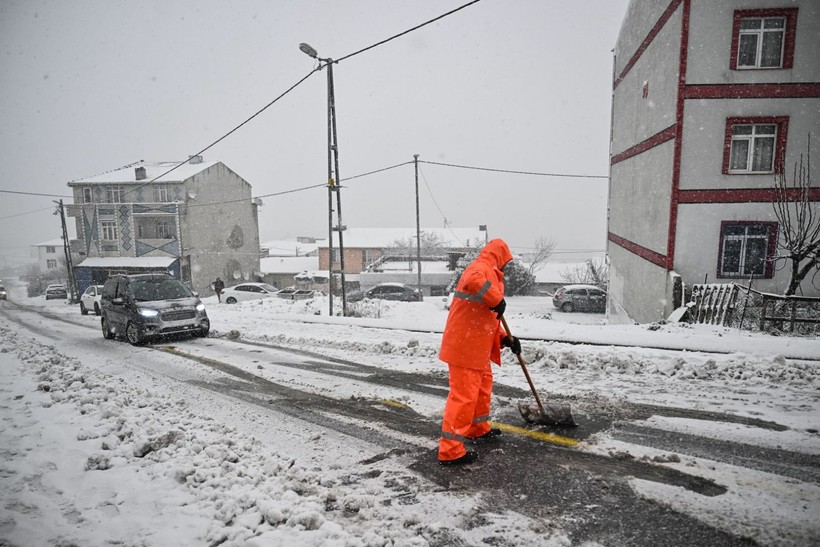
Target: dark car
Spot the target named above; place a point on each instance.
(143, 306)
(3, 293)
(56, 292)
(571, 298)
(387, 291)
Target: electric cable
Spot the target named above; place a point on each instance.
(509, 171)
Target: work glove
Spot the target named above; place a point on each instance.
(499, 308)
(513, 343)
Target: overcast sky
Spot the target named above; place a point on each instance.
(91, 85)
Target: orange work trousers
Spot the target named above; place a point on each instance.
(467, 411)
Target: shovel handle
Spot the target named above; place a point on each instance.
(524, 368)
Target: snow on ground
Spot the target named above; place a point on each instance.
(92, 458)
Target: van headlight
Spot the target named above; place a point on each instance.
(200, 307)
(148, 313)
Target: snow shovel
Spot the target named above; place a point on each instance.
(553, 413)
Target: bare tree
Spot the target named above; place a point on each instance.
(543, 250)
(431, 244)
(799, 218)
(593, 272)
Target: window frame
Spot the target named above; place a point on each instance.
(108, 228)
(780, 140)
(161, 193)
(789, 34)
(113, 194)
(88, 194)
(771, 249)
(51, 264)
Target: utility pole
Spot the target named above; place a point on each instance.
(418, 227)
(333, 186)
(332, 180)
(72, 284)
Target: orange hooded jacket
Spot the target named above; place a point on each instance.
(472, 336)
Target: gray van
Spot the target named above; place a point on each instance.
(142, 306)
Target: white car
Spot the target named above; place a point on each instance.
(90, 300)
(247, 291)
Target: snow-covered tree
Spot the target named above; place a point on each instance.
(593, 272)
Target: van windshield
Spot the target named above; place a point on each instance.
(150, 290)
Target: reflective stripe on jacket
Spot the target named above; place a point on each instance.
(472, 336)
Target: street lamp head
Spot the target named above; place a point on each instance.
(308, 50)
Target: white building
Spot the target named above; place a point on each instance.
(710, 101)
(50, 255)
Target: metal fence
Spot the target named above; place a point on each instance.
(741, 307)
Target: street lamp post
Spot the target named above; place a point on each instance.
(332, 180)
(418, 226)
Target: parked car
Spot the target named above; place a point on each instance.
(142, 306)
(571, 298)
(387, 291)
(90, 300)
(3, 293)
(247, 291)
(55, 292)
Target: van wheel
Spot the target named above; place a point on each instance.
(82, 309)
(133, 334)
(230, 300)
(567, 307)
(107, 334)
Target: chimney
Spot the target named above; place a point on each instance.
(140, 173)
(194, 159)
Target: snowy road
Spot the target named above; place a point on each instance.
(354, 412)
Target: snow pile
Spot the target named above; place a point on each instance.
(212, 485)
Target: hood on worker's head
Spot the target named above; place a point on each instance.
(497, 251)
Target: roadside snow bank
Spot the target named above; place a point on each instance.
(153, 469)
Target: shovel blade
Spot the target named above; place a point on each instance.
(554, 413)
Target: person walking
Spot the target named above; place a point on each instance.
(218, 286)
(473, 337)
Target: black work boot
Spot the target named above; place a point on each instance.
(467, 458)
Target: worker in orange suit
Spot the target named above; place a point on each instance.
(472, 338)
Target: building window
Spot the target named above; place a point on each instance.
(755, 145)
(51, 264)
(113, 194)
(763, 39)
(161, 193)
(109, 230)
(50, 249)
(88, 196)
(747, 249)
(165, 229)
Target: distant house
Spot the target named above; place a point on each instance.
(374, 255)
(50, 255)
(710, 101)
(198, 216)
(281, 271)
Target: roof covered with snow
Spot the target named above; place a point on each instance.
(127, 262)
(288, 264)
(127, 173)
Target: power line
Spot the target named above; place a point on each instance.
(27, 213)
(35, 194)
(406, 32)
(509, 171)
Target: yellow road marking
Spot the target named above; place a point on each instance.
(390, 402)
(537, 435)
